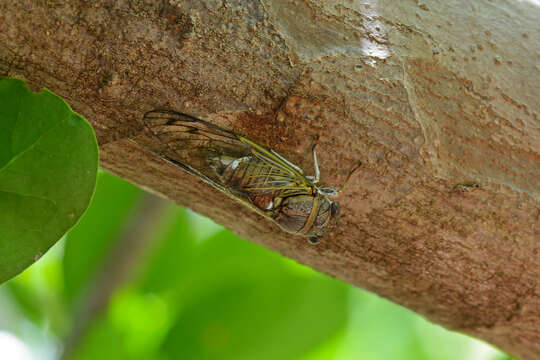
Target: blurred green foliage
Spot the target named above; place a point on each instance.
(199, 292)
(48, 167)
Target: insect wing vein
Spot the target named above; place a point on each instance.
(188, 138)
(280, 169)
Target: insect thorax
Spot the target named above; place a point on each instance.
(307, 214)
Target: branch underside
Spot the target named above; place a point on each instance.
(444, 215)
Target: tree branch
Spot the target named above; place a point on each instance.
(117, 269)
(431, 97)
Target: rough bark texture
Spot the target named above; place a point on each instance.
(438, 99)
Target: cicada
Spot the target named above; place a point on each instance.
(259, 178)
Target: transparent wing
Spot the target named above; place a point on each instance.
(275, 173)
(192, 142)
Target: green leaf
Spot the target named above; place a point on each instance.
(381, 330)
(48, 166)
(100, 342)
(173, 254)
(240, 301)
(218, 298)
(37, 292)
(91, 240)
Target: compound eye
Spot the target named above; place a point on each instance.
(334, 209)
(314, 240)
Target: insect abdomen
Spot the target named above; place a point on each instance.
(246, 174)
(250, 177)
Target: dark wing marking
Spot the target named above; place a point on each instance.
(182, 135)
(191, 141)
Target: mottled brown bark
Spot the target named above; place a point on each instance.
(433, 97)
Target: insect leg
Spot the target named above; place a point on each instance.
(316, 166)
(353, 170)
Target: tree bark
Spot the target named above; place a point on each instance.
(438, 100)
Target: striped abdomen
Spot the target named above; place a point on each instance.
(252, 177)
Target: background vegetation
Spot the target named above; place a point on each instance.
(48, 168)
(196, 291)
